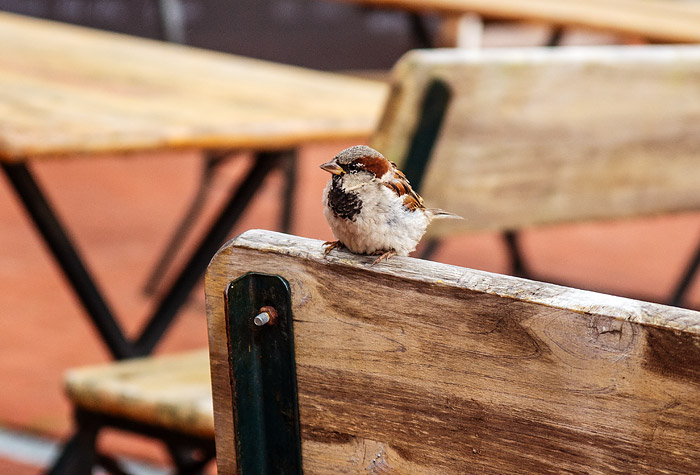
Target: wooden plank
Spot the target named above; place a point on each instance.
(539, 136)
(659, 20)
(172, 391)
(413, 366)
(67, 90)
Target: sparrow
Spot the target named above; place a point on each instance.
(371, 207)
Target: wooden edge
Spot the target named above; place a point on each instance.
(551, 295)
(215, 142)
(565, 54)
(216, 303)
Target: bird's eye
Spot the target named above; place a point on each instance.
(354, 167)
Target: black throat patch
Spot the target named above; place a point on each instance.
(344, 204)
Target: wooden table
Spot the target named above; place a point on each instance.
(668, 21)
(66, 90)
(70, 90)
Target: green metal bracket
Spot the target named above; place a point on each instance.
(433, 110)
(266, 411)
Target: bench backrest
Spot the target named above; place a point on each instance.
(413, 366)
(518, 137)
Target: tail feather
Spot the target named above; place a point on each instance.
(436, 213)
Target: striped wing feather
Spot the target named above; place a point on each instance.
(399, 184)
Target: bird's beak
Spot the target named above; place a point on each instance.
(332, 167)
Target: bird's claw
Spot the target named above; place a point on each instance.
(330, 245)
(384, 256)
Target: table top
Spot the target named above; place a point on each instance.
(660, 20)
(67, 90)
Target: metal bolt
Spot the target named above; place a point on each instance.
(261, 319)
(267, 315)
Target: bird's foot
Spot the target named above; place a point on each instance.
(383, 255)
(330, 245)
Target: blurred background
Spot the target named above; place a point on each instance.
(316, 34)
(121, 221)
(327, 35)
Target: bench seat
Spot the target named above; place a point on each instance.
(170, 392)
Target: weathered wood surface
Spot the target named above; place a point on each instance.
(68, 90)
(171, 391)
(659, 20)
(547, 135)
(412, 366)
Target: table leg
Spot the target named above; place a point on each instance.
(691, 270)
(513, 246)
(72, 265)
(290, 168)
(63, 250)
(211, 161)
(79, 455)
(84, 285)
(265, 162)
(420, 31)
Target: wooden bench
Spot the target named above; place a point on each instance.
(516, 138)
(172, 392)
(666, 21)
(411, 366)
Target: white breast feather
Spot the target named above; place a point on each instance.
(383, 223)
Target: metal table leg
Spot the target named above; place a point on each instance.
(290, 167)
(211, 161)
(79, 454)
(517, 262)
(90, 297)
(84, 285)
(691, 270)
(68, 258)
(265, 162)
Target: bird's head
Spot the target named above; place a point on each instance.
(360, 162)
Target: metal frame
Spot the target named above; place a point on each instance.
(190, 453)
(260, 339)
(689, 275)
(212, 161)
(84, 285)
(93, 301)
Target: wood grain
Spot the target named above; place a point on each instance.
(536, 136)
(72, 90)
(659, 20)
(171, 391)
(412, 366)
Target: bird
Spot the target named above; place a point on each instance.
(371, 207)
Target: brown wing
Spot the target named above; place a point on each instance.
(399, 184)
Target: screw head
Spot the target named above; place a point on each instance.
(266, 316)
(261, 319)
